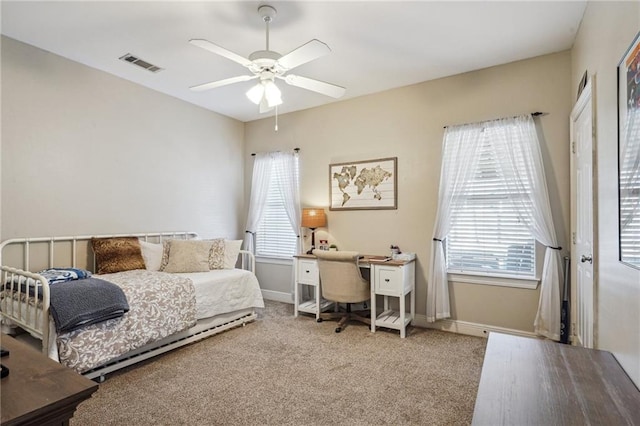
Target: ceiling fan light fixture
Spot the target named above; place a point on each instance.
(268, 65)
(256, 93)
(272, 94)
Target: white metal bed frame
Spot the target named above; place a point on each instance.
(35, 319)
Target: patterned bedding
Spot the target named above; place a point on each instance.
(160, 304)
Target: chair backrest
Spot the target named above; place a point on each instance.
(340, 277)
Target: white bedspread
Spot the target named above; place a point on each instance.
(224, 290)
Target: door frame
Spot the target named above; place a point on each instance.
(588, 95)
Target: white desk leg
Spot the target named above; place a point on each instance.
(386, 303)
(413, 303)
(296, 298)
(373, 309)
(317, 290)
(403, 328)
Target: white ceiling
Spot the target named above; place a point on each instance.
(375, 45)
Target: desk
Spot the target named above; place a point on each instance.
(39, 391)
(528, 381)
(389, 278)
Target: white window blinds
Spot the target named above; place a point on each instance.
(630, 189)
(487, 234)
(275, 237)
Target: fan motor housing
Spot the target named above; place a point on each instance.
(265, 59)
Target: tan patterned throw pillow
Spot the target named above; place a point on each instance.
(188, 256)
(216, 255)
(165, 254)
(215, 252)
(117, 254)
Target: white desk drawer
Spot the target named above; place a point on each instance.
(308, 272)
(388, 280)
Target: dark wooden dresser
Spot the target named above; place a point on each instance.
(39, 391)
(537, 382)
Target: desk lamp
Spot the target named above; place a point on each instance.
(312, 219)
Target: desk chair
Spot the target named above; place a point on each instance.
(342, 282)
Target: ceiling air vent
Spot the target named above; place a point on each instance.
(139, 62)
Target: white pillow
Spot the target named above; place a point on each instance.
(231, 250)
(152, 255)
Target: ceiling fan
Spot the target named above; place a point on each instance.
(267, 66)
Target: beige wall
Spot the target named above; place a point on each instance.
(84, 152)
(408, 123)
(606, 32)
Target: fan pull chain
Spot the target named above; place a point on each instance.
(276, 127)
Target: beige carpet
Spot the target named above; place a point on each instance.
(285, 370)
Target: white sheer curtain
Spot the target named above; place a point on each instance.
(262, 165)
(517, 150)
(287, 163)
(461, 146)
(520, 161)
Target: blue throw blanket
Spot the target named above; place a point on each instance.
(78, 303)
(60, 275)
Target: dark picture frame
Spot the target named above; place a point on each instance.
(628, 87)
(364, 185)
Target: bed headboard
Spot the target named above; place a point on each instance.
(34, 254)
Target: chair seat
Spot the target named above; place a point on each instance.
(342, 282)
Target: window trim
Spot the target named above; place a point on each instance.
(272, 260)
(472, 277)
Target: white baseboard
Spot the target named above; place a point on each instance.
(452, 326)
(277, 296)
(468, 328)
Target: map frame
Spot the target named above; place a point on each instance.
(342, 178)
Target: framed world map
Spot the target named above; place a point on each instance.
(364, 185)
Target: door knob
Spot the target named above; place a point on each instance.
(585, 259)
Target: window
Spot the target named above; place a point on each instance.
(275, 237)
(492, 190)
(630, 190)
(487, 235)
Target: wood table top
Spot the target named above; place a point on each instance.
(38, 390)
(527, 381)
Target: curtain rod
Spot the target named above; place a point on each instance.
(535, 114)
(296, 150)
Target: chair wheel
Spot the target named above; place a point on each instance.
(319, 320)
(338, 329)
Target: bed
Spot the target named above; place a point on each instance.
(184, 290)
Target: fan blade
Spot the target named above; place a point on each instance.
(211, 47)
(214, 84)
(303, 54)
(315, 85)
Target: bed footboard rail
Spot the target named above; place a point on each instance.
(21, 305)
(247, 261)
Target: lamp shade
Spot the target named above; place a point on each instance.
(272, 94)
(255, 93)
(266, 91)
(313, 218)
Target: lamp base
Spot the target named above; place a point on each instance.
(313, 241)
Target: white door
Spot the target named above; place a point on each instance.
(583, 295)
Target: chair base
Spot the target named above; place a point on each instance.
(345, 317)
